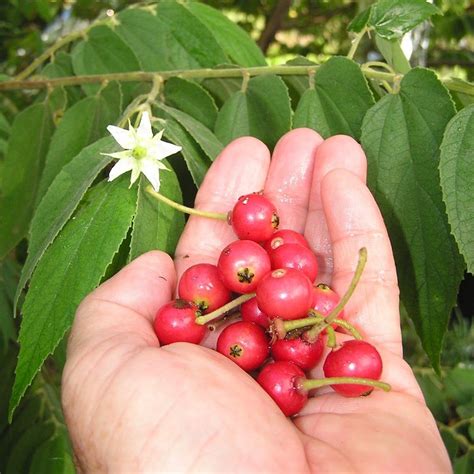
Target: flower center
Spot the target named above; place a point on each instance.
(139, 152)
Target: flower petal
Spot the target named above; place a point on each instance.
(135, 173)
(122, 166)
(144, 129)
(161, 150)
(152, 172)
(119, 154)
(123, 137)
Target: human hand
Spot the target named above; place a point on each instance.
(132, 406)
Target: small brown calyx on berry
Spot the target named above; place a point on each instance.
(179, 303)
(324, 287)
(275, 221)
(245, 275)
(281, 272)
(236, 351)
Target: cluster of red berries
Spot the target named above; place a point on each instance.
(282, 313)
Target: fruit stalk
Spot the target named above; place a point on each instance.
(305, 385)
(185, 209)
(207, 318)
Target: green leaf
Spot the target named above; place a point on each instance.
(338, 102)
(433, 391)
(29, 139)
(4, 125)
(457, 175)
(61, 200)
(82, 124)
(191, 98)
(298, 84)
(103, 52)
(167, 36)
(393, 18)
(459, 382)
(9, 273)
(223, 88)
(401, 135)
(393, 54)
(203, 136)
(20, 456)
(360, 21)
(465, 463)
(157, 225)
(72, 267)
(53, 456)
(262, 111)
(196, 160)
(236, 43)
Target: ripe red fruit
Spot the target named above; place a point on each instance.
(325, 300)
(285, 293)
(295, 256)
(176, 322)
(302, 353)
(284, 236)
(250, 312)
(244, 343)
(202, 285)
(280, 381)
(354, 358)
(254, 217)
(242, 264)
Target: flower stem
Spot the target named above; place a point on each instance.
(185, 209)
(207, 318)
(355, 43)
(353, 285)
(310, 384)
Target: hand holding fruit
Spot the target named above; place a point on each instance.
(133, 406)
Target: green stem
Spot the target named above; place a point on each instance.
(370, 64)
(349, 327)
(331, 342)
(355, 43)
(310, 384)
(355, 280)
(48, 53)
(141, 76)
(207, 318)
(185, 209)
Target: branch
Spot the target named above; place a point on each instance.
(274, 24)
(140, 76)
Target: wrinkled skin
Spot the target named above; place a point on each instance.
(132, 406)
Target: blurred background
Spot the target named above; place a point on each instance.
(283, 29)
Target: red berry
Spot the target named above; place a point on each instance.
(295, 256)
(254, 217)
(176, 322)
(280, 380)
(302, 353)
(244, 343)
(202, 285)
(353, 359)
(284, 236)
(325, 300)
(252, 313)
(242, 264)
(285, 293)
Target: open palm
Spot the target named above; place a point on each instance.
(132, 406)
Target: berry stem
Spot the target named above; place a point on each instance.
(185, 209)
(207, 318)
(310, 384)
(331, 342)
(355, 280)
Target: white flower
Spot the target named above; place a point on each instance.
(142, 153)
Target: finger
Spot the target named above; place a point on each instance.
(289, 178)
(240, 169)
(126, 304)
(354, 221)
(339, 151)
